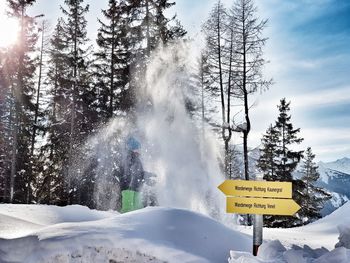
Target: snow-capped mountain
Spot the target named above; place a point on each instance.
(335, 178)
(341, 165)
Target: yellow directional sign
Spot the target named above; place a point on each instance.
(261, 206)
(256, 188)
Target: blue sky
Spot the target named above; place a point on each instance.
(310, 63)
(309, 54)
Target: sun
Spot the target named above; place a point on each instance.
(9, 27)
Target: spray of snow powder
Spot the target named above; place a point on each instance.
(183, 158)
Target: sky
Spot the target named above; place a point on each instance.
(309, 60)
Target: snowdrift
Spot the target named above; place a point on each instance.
(77, 234)
(321, 232)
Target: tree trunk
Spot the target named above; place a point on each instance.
(202, 93)
(112, 71)
(17, 93)
(36, 113)
(246, 106)
(222, 92)
(74, 94)
(228, 138)
(148, 30)
(14, 153)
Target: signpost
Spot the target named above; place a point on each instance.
(258, 198)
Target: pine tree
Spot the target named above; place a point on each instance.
(81, 115)
(149, 25)
(112, 69)
(267, 161)
(282, 160)
(5, 96)
(22, 66)
(73, 114)
(39, 119)
(288, 158)
(51, 186)
(313, 197)
(148, 28)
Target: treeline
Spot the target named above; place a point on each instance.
(51, 100)
(54, 98)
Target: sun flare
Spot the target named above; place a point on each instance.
(8, 28)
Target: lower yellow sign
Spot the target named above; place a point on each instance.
(261, 206)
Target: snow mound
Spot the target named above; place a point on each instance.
(48, 215)
(274, 252)
(329, 223)
(151, 234)
(21, 220)
(323, 229)
(12, 227)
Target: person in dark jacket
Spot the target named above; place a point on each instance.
(133, 177)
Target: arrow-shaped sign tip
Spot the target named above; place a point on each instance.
(222, 187)
(294, 207)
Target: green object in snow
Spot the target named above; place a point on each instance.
(131, 200)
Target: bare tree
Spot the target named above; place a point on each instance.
(219, 57)
(248, 62)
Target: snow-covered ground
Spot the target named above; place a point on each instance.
(314, 243)
(40, 233)
(31, 233)
(322, 233)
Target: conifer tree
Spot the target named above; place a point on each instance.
(22, 65)
(112, 69)
(150, 25)
(5, 161)
(267, 161)
(73, 103)
(51, 187)
(148, 28)
(278, 160)
(313, 197)
(288, 158)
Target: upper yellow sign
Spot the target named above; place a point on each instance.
(256, 188)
